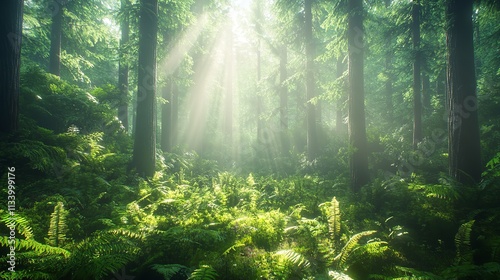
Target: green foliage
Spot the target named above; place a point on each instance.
(204, 272)
(169, 270)
(58, 227)
(463, 242)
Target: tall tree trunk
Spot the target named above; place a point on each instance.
(312, 141)
(229, 91)
(166, 117)
(339, 120)
(426, 92)
(259, 105)
(123, 68)
(283, 92)
(11, 21)
(417, 100)
(145, 133)
(357, 130)
(463, 127)
(55, 38)
(389, 104)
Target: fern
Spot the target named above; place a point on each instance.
(462, 243)
(204, 272)
(102, 254)
(169, 270)
(34, 245)
(20, 223)
(294, 258)
(58, 227)
(349, 247)
(334, 220)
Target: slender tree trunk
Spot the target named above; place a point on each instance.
(426, 92)
(389, 112)
(55, 38)
(463, 127)
(229, 91)
(339, 120)
(417, 100)
(145, 134)
(283, 92)
(312, 141)
(123, 68)
(166, 116)
(11, 21)
(356, 125)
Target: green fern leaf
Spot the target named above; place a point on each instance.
(58, 227)
(334, 220)
(294, 258)
(21, 224)
(169, 270)
(462, 243)
(349, 247)
(205, 272)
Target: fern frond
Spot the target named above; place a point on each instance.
(349, 247)
(204, 272)
(294, 258)
(169, 270)
(34, 245)
(334, 220)
(462, 243)
(58, 227)
(20, 223)
(102, 254)
(445, 192)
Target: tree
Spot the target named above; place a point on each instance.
(11, 21)
(123, 66)
(283, 93)
(417, 99)
(312, 141)
(145, 131)
(463, 127)
(356, 125)
(57, 8)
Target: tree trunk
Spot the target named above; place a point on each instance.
(11, 21)
(55, 38)
(145, 132)
(229, 91)
(417, 100)
(339, 120)
(389, 104)
(357, 131)
(283, 92)
(426, 92)
(166, 117)
(312, 142)
(123, 68)
(463, 127)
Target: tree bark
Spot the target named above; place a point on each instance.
(145, 132)
(166, 116)
(123, 68)
(463, 127)
(417, 99)
(55, 38)
(312, 142)
(229, 91)
(357, 131)
(11, 21)
(339, 120)
(283, 93)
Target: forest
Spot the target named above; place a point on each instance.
(250, 139)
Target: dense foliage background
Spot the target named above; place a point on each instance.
(251, 149)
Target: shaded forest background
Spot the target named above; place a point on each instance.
(265, 139)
